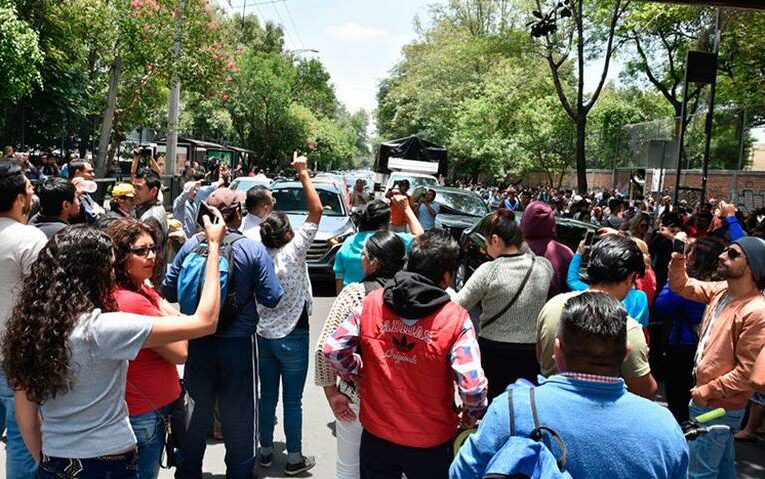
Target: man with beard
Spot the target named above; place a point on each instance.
(732, 335)
(19, 246)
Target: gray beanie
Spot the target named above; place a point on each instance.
(754, 249)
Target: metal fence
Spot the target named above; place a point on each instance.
(654, 144)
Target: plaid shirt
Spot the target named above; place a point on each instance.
(596, 378)
(464, 358)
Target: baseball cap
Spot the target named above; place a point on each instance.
(225, 200)
(123, 189)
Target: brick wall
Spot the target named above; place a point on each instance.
(749, 186)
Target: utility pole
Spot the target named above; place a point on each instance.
(172, 108)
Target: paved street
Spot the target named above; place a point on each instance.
(318, 421)
(318, 426)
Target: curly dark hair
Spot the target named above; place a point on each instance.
(72, 276)
(124, 232)
(703, 258)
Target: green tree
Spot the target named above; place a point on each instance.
(20, 54)
(587, 29)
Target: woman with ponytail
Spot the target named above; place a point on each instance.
(283, 330)
(382, 256)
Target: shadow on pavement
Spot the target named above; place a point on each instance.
(750, 459)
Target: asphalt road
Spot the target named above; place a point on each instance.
(318, 426)
(318, 421)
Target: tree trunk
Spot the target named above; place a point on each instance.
(581, 156)
(106, 124)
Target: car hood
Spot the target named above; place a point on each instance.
(457, 221)
(329, 226)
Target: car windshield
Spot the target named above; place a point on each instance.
(245, 185)
(414, 181)
(460, 204)
(292, 200)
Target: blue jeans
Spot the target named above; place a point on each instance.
(222, 368)
(149, 430)
(285, 358)
(118, 466)
(18, 462)
(713, 455)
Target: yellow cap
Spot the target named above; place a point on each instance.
(123, 189)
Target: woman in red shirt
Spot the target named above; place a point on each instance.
(152, 379)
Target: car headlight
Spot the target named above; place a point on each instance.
(336, 240)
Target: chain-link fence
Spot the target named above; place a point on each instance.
(654, 144)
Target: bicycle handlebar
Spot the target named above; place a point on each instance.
(711, 415)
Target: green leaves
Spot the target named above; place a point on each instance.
(20, 55)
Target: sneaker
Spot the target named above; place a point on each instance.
(304, 465)
(265, 460)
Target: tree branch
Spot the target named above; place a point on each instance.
(609, 52)
(651, 77)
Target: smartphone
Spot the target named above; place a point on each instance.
(205, 210)
(589, 237)
(678, 246)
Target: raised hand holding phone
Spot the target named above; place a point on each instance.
(214, 225)
(299, 162)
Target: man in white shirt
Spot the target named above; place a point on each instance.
(259, 203)
(19, 247)
(359, 197)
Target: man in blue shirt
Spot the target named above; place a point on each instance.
(427, 210)
(608, 431)
(223, 365)
(186, 205)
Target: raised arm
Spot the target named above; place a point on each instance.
(572, 278)
(411, 219)
(205, 320)
(689, 288)
(315, 208)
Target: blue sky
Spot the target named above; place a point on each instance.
(358, 41)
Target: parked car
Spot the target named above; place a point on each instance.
(244, 183)
(335, 225)
(460, 209)
(473, 243)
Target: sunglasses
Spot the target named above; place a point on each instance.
(732, 253)
(144, 250)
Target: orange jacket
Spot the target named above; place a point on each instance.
(736, 338)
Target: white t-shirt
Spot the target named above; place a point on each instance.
(251, 226)
(91, 419)
(19, 246)
(292, 271)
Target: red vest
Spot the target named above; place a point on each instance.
(407, 385)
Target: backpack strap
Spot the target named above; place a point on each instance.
(537, 434)
(533, 429)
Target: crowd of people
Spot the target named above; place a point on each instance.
(542, 356)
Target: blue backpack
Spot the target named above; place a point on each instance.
(525, 454)
(191, 278)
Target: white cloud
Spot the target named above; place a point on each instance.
(354, 31)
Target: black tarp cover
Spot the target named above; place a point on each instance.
(411, 148)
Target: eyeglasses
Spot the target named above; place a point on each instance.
(732, 253)
(144, 250)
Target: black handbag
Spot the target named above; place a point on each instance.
(176, 423)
